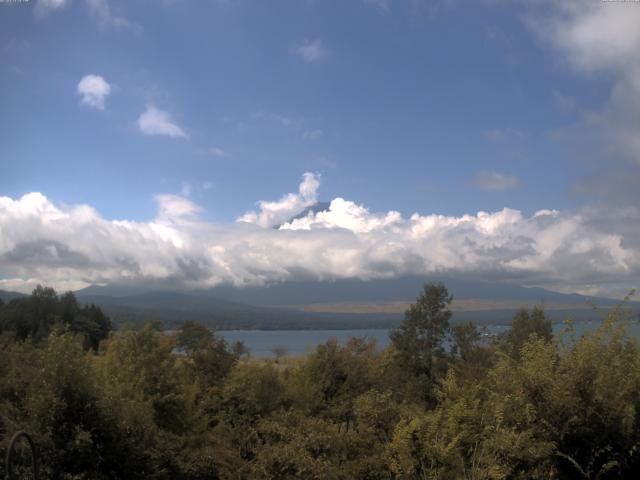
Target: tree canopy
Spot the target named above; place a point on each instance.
(441, 402)
(36, 316)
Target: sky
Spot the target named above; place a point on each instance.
(172, 141)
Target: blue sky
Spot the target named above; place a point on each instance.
(437, 107)
(403, 103)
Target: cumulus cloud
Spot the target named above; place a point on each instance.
(274, 213)
(495, 181)
(312, 51)
(93, 91)
(154, 121)
(74, 245)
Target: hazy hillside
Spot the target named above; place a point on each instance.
(354, 290)
(404, 288)
(6, 296)
(320, 305)
(343, 304)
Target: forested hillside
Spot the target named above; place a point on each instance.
(141, 404)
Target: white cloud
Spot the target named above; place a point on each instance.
(74, 245)
(312, 51)
(44, 7)
(591, 35)
(214, 152)
(194, 188)
(101, 12)
(495, 181)
(275, 213)
(174, 208)
(603, 38)
(93, 90)
(154, 121)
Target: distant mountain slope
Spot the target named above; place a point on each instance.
(317, 305)
(6, 296)
(173, 308)
(398, 289)
(315, 208)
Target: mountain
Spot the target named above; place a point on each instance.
(315, 208)
(6, 296)
(173, 308)
(329, 305)
(388, 290)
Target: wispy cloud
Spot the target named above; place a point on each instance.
(93, 91)
(312, 51)
(44, 7)
(494, 34)
(191, 188)
(213, 152)
(101, 11)
(381, 5)
(598, 37)
(312, 134)
(503, 134)
(299, 125)
(564, 103)
(495, 181)
(154, 121)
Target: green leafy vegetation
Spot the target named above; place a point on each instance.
(142, 403)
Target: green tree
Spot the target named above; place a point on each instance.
(239, 349)
(193, 336)
(209, 358)
(419, 337)
(279, 352)
(465, 340)
(524, 325)
(332, 377)
(35, 316)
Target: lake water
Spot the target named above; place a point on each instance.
(301, 342)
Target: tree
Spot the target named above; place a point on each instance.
(193, 336)
(34, 317)
(420, 336)
(239, 349)
(465, 339)
(524, 325)
(209, 357)
(279, 352)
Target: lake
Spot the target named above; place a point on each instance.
(301, 342)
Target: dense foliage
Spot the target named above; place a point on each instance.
(149, 404)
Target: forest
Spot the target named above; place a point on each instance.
(441, 402)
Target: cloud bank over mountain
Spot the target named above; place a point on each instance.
(73, 246)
